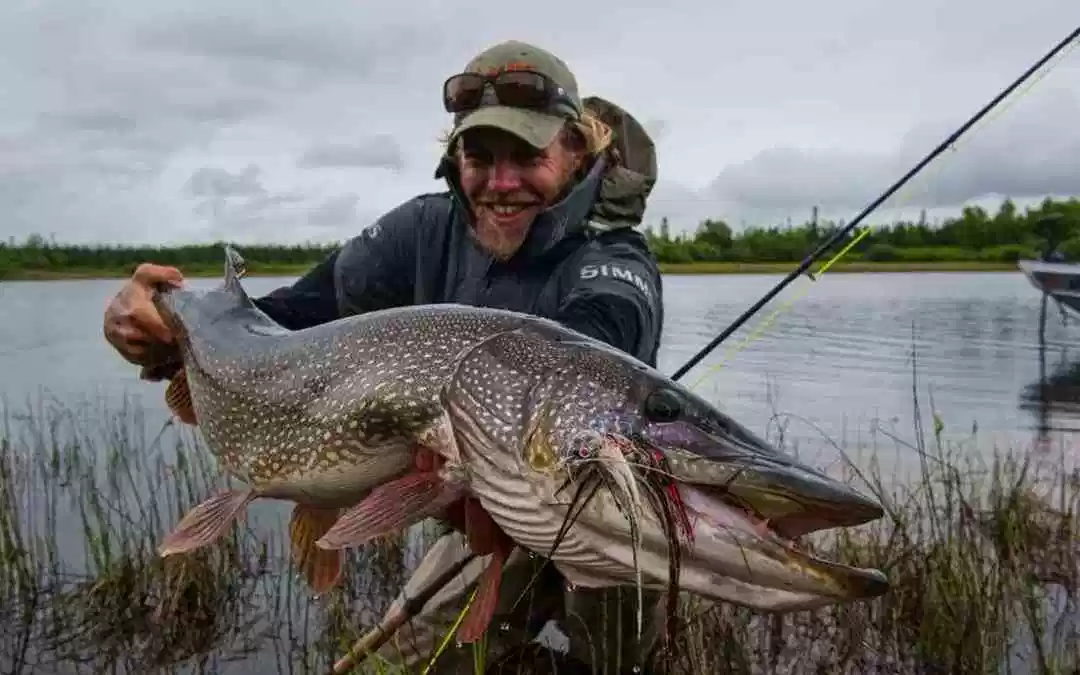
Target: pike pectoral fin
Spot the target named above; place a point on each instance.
(178, 398)
(205, 523)
(391, 508)
(321, 568)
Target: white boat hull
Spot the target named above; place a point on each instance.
(1060, 280)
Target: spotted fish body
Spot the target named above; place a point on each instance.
(493, 418)
(320, 416)
(324, 414)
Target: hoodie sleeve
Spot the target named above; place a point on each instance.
(307, 302)
(373, 270)
(614, 294)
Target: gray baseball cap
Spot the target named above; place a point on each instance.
(535, 127)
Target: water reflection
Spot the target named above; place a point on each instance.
(1054, 398)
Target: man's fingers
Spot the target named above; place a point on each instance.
(144, 316)
(149, 274)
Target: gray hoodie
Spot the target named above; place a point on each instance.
(583, 263)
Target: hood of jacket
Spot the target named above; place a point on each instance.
(612, 194)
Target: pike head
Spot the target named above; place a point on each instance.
(621, 476)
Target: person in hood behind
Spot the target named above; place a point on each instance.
(545, 190)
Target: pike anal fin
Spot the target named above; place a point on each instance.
(487, 598)
(391, 508)
(321, 568)
(484, 537)
(206, 523)
(178, 398)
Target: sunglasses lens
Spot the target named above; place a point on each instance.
(463, 92)
(522, 90)
(519, 89)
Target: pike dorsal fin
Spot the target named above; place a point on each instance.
(235, 269)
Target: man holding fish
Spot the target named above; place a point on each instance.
(483, 355)
(539, 217)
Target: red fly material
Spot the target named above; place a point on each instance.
(681, 512)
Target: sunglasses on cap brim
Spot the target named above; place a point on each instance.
(466, 92)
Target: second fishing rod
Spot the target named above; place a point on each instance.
(843, 232)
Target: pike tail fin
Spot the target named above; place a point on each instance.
(321, 568)
(206, 523)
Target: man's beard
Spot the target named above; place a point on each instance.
(501, 244)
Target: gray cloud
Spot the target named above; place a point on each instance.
(238, 201)
(213, 183)
(236, 205)
(165, 121)
(105, 121)
(1026, 155)
(381, 152)
(335, 212)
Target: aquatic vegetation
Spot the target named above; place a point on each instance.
(982, 549)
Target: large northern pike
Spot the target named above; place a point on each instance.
(373, 422)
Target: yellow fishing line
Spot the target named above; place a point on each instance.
(863, 232)
(450, 633)
(779, 310)
(897, 200)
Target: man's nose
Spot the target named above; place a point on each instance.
(505, 175)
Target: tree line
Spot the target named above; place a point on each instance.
(974, 235)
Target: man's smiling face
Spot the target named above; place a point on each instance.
(508, 182)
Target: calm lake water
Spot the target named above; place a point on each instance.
(835, 364)
(837, 361)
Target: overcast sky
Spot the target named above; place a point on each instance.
(153, 121)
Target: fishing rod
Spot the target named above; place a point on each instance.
(378, 635)
(375, 638)
(843, 232)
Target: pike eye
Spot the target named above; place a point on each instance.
(663, 405)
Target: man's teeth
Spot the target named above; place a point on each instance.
(508, 210)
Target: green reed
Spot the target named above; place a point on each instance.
(974, 546)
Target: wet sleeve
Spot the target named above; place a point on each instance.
(615, 295)
(308, 302)
(371, 271)
(377, 268)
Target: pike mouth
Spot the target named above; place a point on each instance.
(722, 511)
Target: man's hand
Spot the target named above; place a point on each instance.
(132, 324)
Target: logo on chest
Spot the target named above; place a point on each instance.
(615, 271)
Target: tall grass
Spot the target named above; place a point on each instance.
(983, 555)
(982, 549)
(84, 502)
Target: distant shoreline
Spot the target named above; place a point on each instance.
(702, 268)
